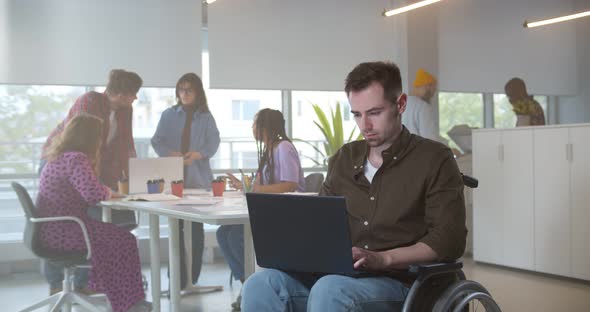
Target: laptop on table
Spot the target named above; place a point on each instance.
(143, 169)
(297, 233)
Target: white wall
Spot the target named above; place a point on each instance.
(482, 44)
(423, 46)
(77, 42)
(576, 109)
(423, 41)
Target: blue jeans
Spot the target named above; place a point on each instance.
(231, 243)
(274, 290)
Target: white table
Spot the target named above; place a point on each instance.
(228, 210)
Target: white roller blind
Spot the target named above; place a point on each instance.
(77, 42)
(482, 44)
(301, 45)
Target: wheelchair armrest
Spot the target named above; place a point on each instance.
(470, 181)
(426, 270)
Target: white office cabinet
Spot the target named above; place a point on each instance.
(503, 235)
(487, 216)
(579, 153)
(517, 191)
(532, 209)
(552, 201)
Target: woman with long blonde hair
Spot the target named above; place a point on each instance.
(68, 186)
(84, 135)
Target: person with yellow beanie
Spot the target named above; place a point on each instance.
(419, 116)
(424, 85)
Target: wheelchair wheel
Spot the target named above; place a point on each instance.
(466, 296)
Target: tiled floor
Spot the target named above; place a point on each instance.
(517, 290)
(19, 289)
(514, 290)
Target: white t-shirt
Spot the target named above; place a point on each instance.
(369, 171)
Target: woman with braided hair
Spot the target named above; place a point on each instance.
(279, 171)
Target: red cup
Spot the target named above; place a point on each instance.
(218, 188)
(177, 188)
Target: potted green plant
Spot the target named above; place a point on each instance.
(333, 132)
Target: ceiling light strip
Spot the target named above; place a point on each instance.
(409, 7)
(556, 20)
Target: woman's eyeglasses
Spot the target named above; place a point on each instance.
(187, 91)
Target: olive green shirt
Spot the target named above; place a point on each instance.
(415, 196)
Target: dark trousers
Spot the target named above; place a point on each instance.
(197, 244)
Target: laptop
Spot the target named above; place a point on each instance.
(301, 233)
(143, 169)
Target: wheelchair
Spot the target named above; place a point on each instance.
(442, 287)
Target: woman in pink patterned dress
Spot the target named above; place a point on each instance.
(68, 186)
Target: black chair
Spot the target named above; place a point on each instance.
(313, 182)
(442, 287)
(70, 260)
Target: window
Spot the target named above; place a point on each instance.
(308, 138)
(244, 109)
(459, 108)
(504, 117)
(27, 116)
(246, 159)
(234, 116)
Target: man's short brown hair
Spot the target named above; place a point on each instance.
(123, 82)
(515, 87)
(385, 73)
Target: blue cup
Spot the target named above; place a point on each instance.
(153, 186)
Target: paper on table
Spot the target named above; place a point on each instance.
(151, 197)
(197, 202)
(222, 210)
(233, 194)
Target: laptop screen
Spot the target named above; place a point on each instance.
(301, 233)
(141, 170)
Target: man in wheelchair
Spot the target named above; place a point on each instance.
(404, 195)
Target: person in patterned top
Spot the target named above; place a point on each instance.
(528, 111)
(113, 107)
(67, 187)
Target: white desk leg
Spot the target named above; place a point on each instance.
(249, 264)
(174, 259)
(155, 260)
(107, 214)
(188, 250)
(188, 247)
